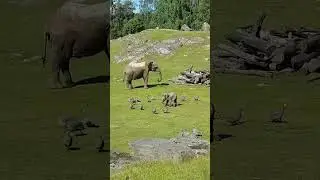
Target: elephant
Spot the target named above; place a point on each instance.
(212, 113)
(170, 99)
(138, 70)
(75, 31)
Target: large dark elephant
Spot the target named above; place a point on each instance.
(138, 70)
(75, 31)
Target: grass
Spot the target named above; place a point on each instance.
(128, 125)
(31, 139)
(260, 149)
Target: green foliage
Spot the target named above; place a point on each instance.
(158, 13)
(133, 25)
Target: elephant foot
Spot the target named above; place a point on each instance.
(69, 84)
(56, 85)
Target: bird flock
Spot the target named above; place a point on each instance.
(136, 103)
(239, 118)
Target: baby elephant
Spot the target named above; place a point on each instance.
(138, 70)
(170, 99)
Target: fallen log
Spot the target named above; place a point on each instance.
(312, 66)
(228, 63)
(312, 44)
(245, 72)
(251, 41)
(298, 60)
(248, 58)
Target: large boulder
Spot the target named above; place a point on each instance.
(185, 28)
(205, 27)
(185, 146)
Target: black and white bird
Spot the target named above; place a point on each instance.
(238, 119)
(196, 98)
(100, 145)
(279, 115)
(141, 107)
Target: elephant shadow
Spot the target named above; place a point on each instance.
(222, 136)
(93, 80)
(74, 149)
(153, 85)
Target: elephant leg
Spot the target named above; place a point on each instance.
(65, 67)
(130, 84)
(145, 82)
(56, 83)
(108, 60)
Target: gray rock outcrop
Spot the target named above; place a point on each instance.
(205, 27)
(185, 28)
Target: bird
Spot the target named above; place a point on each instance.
(68, 141)
(196, 98)
(149, 99)
(154, 110)
(141, 107)
(100, 144)
(183, 98)
(72, 124)
(278, 116)
(238, 119)
(89, 123)
(165, 109)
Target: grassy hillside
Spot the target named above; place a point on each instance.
(261, 150)
(128, 125)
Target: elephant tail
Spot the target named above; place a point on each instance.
(44, 56)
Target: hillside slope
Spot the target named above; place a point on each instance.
(185, 48)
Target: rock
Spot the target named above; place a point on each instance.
(185, 28)
(138, 49)
(120, 159)
(185, 146)
(205, 27)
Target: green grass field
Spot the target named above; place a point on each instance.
(261, 150)
(127, 125)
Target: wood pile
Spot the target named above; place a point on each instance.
(190, 76)
(252, 50)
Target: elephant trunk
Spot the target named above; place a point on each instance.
(160, 75)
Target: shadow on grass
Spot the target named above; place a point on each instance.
(93, 80)
(103, 151)
(74, 149)
(152, 85)
(222, 136)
